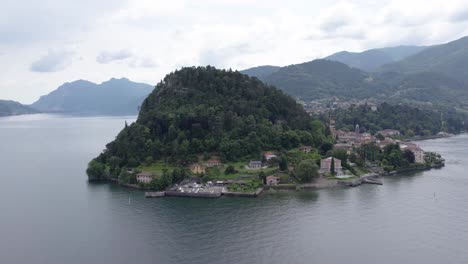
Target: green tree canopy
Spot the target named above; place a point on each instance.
(306, 170)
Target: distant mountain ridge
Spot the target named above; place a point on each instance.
(371, 60)
(319, 79)
(436, 75)
(9, 108)
(450, 59)
(113, 97)
(261, 71)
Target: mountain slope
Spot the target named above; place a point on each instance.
(113, 97)
(205, 110)
(450, 59)
(261, 72)
(370, 60)
(323, 78)
(9, 108)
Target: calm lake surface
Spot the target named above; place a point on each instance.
(50, 214)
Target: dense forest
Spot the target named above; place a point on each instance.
(448, 59)
(409, 120)
(207, 111)
(322, 79)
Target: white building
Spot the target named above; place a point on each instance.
(417, 151)
(326, 165)
(144, 177)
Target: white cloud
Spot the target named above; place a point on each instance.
(107, 56)
(52, 62)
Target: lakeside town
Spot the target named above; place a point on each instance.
(212, 178)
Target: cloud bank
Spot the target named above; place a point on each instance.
(53, 61)
(146, 39)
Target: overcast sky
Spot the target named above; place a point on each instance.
(44, 43)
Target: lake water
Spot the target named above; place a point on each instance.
(50, 214)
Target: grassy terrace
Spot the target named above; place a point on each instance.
(156, 168)
(241, 171)
(249, 187)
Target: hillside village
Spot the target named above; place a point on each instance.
(251, 177)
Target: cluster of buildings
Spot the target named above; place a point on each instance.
(325, 105)
(345, 140)
(199, 168)
(349, 140)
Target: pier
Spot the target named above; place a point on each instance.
(371, 179)
(154, 194)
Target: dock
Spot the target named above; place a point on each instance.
(193, 194)
(371, 179)
(154, 194)
(241, 194)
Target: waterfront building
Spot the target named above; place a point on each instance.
(272, 180)
(416, 150)
(144, 177)
(325, 165)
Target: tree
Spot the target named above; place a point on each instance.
(149, 160)
(262, 176)
(132, 163)
(114, 161)
(306, 170)
(332, 166)
(341, 154)
(325, 147)
(395, 158)
(370, 152)
(283, 163)
(409, 156)
(379, 136)
(96, 170)
(230, 170)
(178, 175)
(409, 133)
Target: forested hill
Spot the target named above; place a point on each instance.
(449, 59)
(323, 78)
(206, 110)
(8, 108)
(409, 120)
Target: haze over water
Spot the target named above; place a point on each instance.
(49, 213)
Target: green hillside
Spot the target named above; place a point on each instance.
(323, 78)
(205, 110)
(449, 59)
